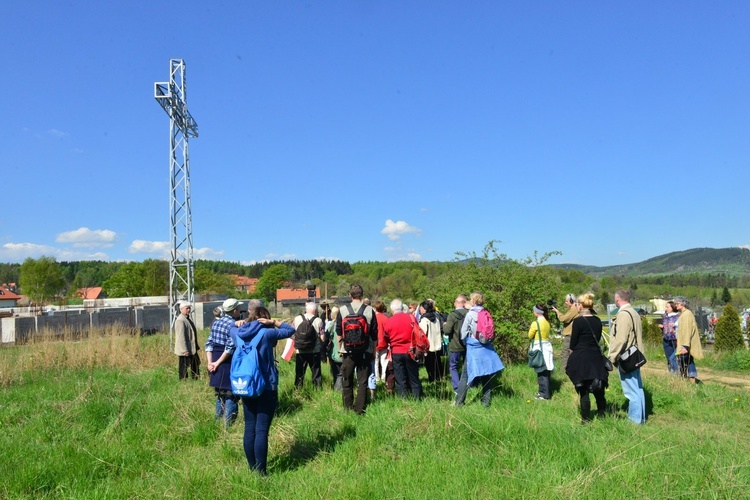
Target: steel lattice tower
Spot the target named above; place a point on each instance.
(172, 96)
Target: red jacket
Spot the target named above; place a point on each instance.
(382, 319)
(398, 330)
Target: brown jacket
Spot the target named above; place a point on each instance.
(688, 335)
(567, 320)
(185, 336)
(626, 331)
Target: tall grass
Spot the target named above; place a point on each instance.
(112, 421)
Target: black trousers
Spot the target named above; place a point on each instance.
(406, 371)
(302, 361)
(434, 364)
(584, 391)
(190, 362)
(361, 362)
(542, 379)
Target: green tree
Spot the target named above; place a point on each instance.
(726, 297)
(207, 281)
(714, 298)
(510, 288)
(138, 279)
(728, 331)
(604, 298)
(273, 278)
(41, 279)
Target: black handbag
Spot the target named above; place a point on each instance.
(536, 357)
(631, 359)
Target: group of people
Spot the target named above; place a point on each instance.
(681, 339)
(384, 350)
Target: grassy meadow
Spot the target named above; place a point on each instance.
(107, 418)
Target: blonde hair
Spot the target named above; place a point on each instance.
(334, 312)
(586, 300)
(477, 298)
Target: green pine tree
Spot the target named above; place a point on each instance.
(729, 331)
(726, 297)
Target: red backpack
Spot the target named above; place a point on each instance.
(420, 344)
(355, 330)
(485, 327)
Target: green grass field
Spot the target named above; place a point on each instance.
(107, 418)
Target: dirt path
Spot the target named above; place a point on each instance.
(707, 375)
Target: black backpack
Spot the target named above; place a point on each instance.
(354, 330)
(306, 335)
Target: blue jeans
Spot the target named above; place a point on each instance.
(687, 366)
(226, 407)
(258, 416)
(632, 388)
(454, 358)
(670, 351)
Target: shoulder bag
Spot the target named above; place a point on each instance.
(536, 357)
(631, 358)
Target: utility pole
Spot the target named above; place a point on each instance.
(172, 97)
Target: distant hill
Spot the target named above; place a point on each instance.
(730, 261)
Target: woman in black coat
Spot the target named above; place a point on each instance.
(586, 364)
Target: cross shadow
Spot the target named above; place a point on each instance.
(304, 450)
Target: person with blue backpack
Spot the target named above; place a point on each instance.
(255, 379)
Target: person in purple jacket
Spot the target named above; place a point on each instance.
(259, 411)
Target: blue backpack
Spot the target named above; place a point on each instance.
(245, 374)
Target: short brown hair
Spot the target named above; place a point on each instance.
(356, 292)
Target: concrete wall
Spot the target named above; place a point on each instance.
(149, 319)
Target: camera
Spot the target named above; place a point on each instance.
(551, 302)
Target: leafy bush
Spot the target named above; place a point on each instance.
(651, 331)
(729, 331)
(510, 288)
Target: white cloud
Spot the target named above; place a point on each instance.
(162, 250)
(746, 247)
(423, 209)
(275, 256)
(17, 252)
(86, 238)
(59, 134)
(71, 255)
(207, 253)
(395, 230)
(252, 262)
(397, 254)
(154, 247)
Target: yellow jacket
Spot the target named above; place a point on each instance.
(544, 325)
(688, 335)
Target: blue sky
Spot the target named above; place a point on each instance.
(378, 130)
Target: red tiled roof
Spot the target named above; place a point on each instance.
(244, 283)
(6, 294)
(90, 293)
(294, 293)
